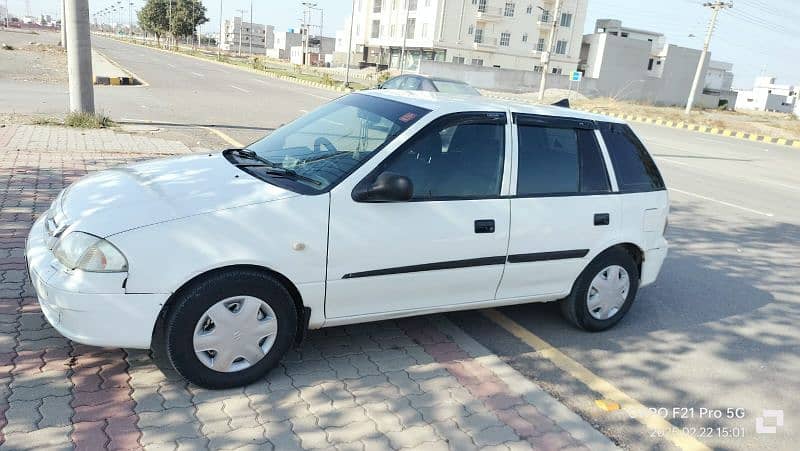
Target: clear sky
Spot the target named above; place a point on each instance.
(757, 36)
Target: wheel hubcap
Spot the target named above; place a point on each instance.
(235, 333)
(608, 292)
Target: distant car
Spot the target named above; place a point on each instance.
(378, 205)
(425, 83)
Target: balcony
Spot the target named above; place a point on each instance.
(485, 42)
(489, 13)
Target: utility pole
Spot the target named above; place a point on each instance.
(349, 46)
(241, 26)
(63, 23)
(130, 20)
(405, 35)
(79, 57)
(221, 32)
(716, 7)
(546, 54)
(250, 33)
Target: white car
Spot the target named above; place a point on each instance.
(381, 204)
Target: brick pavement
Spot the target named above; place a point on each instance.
(418, 383)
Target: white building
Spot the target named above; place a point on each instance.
(237, 36)
(633, 64)
(508, 34)
(285, 41)
(768, 96)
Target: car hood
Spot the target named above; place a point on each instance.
(120, 199)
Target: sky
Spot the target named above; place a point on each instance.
(757, 36)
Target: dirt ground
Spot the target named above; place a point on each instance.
(36, 57)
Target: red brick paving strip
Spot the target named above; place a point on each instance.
(104, 409)
(526, 420)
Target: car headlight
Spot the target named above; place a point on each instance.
(79, 250)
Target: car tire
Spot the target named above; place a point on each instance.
(257, 304)
(604, 279)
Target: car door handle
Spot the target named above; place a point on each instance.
(484, 226)
(602, 219)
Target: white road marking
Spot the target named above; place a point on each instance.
(172, 66)
(240, 89)
(197, 75)
(721, 202)
(263, 82)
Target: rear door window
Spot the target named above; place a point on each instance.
(559, 160)
(635, 169)
(394, 83)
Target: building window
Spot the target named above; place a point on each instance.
(411, 24)
(458, 59)
(524, 37)
(505, 39)
(537, 69)
(478, 35)
(529, 9)
(412, 5)
(624, 34)
(540, 45)
(509, 10)
(481, 6)
(561, 47)
(471, 29)
(377, 6)
(376, 29)
(477, 62)
(566, 20)
(557, 70)
(650, 64)
(424, 30)
(545, 16)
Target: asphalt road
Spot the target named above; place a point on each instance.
(717, 331)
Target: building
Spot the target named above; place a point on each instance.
(496, 33)
(285, 41)
(633, 64)
(766, 95)
(237, 36)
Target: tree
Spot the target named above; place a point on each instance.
(153, 18)
(186, 16)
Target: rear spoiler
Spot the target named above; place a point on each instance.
(564, 103)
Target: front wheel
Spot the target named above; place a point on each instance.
(230, 329)
(604, 291)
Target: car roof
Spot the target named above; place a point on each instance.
(445, 103)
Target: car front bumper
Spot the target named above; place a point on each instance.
(89, 308)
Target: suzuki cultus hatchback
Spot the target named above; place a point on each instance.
(377, 205)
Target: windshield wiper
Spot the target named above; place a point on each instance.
(289, 174)
(250, 155)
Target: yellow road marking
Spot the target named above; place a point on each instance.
(225, 137)
(609, 392)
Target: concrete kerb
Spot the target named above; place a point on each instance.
(686, 126)
(247, 69)
(131, 80)
(568, 420)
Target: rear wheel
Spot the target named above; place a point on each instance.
(230, 328)
(604, 292)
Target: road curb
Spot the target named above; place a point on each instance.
(699, 128)
(244, 68)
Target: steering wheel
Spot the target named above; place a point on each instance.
(323, 141)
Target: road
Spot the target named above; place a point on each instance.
(717, 331)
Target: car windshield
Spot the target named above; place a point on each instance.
(321, 148)
(455, 87)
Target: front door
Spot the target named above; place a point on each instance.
(446, 246)
(563, 210)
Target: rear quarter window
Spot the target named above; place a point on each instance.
(635, 169)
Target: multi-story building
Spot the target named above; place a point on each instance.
(500, 33)
(628, 63)
(285, 41)
(766, 95)
(238, 35)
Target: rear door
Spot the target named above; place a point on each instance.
(563, 206)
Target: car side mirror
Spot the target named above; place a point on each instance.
(387, 187)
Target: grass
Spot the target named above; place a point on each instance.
(76, 120)
(88, 120)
